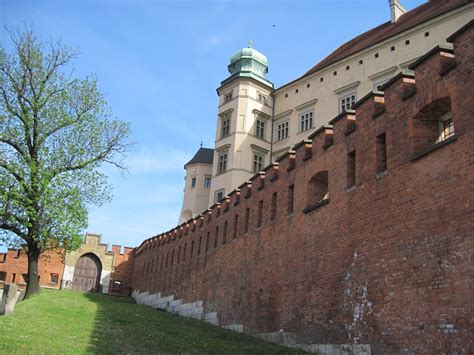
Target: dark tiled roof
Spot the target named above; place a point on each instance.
(202, 156)
(422, 13)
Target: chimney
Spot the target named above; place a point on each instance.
(396, 10)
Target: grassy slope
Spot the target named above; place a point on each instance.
(73, 322)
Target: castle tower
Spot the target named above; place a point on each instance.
(243, 134)
(197, 184)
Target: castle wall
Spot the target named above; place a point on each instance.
(386, 262)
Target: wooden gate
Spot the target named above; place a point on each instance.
(87, 273)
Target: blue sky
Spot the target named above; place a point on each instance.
(158, 64)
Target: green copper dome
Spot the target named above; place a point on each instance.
(249, 63)
(249, 53)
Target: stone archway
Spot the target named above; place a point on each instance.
(87, 273)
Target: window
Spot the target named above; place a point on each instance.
(432, 125)
(193, 182)
(445, 127)
(217, 237)
(199, 246)
(260, 213)
(225, 126)
(184, 251)
(224, 234)
(306, 121)
(207, 182)
(291, 197)
(117, 285)
(260, 129)
(222, 162)
(219, 195)
(274, 207)
(381, 153)
(283, 130)
(258, 162)
(318, 191)
(351, 169)
(3, 275)
(14, 277)
(236, 224)
(346, 102)
(246, 221)
(261, 97)
(228, 97)
(207, 241)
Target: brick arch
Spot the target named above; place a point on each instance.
(425, 124)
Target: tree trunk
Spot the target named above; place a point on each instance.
(33, 285)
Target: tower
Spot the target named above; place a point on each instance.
(197, 184)
(243, 134)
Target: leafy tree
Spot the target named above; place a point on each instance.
(55, 132)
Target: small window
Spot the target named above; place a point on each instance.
(334, 73)
(3, 276)
(184, 251)
(117, 285)
(260, 213)
(54, 278)
(261, 97)
(236, 226)
(199, 246)
(219, 196)
(308, 85)
(361, 62)
(273, 207)
(392, 48)
(228, 97)
(351, 169)
(14, 277)
(321, 79)
(346, 102)
(225, 128)
(348, 67)
(318, 189)
(193, 182)
(260, 129)
(207, 241)
(291, 199)
(283, 130)
(222, 162)
(247, 219)
(376, 55)
(286, 95)
(433, 124)
(216, 239)
(306, 121)
(427, 34)
(445, 127)
(172, 257)
(224, 233)
(381, 153)
(191, 253)
(258, 162)
(407, 42)
(207, 182)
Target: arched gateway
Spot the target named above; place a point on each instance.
(87, 273)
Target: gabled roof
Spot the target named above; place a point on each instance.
(417, 16)
(202, 156)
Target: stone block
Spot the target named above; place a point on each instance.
(9, 298)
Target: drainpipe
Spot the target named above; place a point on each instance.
(273, 124)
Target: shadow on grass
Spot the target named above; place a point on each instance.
(121, 326)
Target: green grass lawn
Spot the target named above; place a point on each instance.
(74, 322)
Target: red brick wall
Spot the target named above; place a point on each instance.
(388, 262)
(123, 269)
(16, 262)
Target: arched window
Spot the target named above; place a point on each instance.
(318, 192)
(432, 125)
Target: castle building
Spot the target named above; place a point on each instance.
(256, 123)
